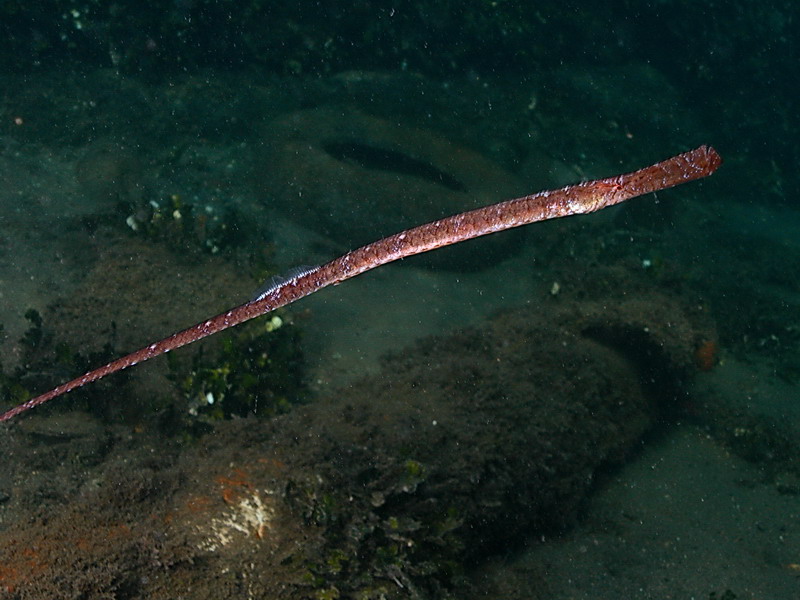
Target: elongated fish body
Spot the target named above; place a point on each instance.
(581, 198)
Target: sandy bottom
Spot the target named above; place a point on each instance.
(683, 520)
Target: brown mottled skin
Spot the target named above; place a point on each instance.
(577, 199)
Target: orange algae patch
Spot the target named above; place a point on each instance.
(22, 565)
(705, 355)
(198, 504)
(233, 487)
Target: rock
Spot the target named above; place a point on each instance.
(110, 173)
(356, 178)
(460, 446)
